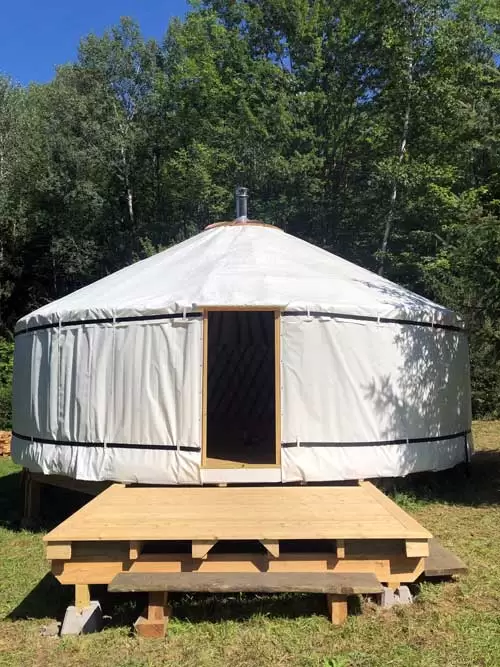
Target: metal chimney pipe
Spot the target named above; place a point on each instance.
(241, 204)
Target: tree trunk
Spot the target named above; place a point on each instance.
(1, 186)
(128, 188)
(2, 160)
(402, 151)
(123, 127)
(54, 275)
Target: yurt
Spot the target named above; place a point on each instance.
(242, 355)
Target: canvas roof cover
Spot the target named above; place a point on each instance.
(241, 265)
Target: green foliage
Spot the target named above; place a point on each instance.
(6, 366)
(339, 661)
(370, 129)
(466, 275)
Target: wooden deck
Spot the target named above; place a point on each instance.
(175, 534)
(191, 535)
(344, 529)
(239, 513)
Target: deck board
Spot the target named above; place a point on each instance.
(358, 583)
(238, 513)
(442, 562)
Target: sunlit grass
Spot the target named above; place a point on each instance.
(451, 624)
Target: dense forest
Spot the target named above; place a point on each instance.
(369, 128)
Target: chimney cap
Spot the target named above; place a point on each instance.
(241, 204)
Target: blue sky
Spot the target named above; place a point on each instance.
(37, 35)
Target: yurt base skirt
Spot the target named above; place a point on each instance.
(316, 463)
(140, 465)
(311, 462)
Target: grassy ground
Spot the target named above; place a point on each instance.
(451, 624)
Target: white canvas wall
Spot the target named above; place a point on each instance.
(111, 385)
(360, 382)
(129, 396)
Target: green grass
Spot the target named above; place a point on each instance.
(455, 624)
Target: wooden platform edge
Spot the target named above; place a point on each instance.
(71, 484)
(411, 524)
(442, 562)
(53, 535)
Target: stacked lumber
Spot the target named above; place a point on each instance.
(5, 438)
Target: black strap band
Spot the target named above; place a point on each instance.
(185, 448)
(109, 445)
(374, 443)
(371, 318)
(285, 313)
(109, 320)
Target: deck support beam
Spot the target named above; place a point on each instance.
(58, 551)
(31, 500)
(95, 568)
(337, 608)
(200, 548)
(417, 548)
(272, 547)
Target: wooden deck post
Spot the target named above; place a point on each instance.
(337, 608)
(200, 548)
(31, 499)
(340, 547)
(157, 616)
(135, 549)
(82, 596)
(156, 606)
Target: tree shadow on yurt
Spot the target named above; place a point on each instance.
(427, 399)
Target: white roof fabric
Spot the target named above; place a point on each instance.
(241, 265)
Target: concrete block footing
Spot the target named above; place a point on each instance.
(82, 621)
(391, 597)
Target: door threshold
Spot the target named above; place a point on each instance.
(213, 463)
(254, 474)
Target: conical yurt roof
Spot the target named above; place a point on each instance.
(241, 265)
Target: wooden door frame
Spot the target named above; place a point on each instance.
(277, 382)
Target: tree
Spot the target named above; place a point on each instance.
(370, 129)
